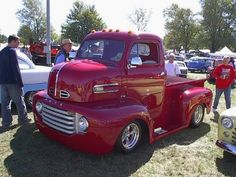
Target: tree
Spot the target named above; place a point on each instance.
(140, 18)
(219, 22)
(3, 38)
(181, 27)
(32, 16)
(81, 21)
(26, 34)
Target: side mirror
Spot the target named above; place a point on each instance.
(135, 61)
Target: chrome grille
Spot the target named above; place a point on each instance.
(64, 94)
(58, 119)
(234, 136)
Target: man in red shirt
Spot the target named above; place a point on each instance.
(224, 75)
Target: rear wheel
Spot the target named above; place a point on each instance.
(130, 137)
(197, 116)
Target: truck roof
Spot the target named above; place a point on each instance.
(122, 35)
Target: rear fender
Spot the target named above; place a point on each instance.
(193, 97)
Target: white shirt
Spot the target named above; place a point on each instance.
(172, 69)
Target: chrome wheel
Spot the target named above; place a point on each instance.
(197, 116)
(130, 136)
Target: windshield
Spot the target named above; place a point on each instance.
(102, 49)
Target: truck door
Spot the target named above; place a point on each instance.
(146, 76)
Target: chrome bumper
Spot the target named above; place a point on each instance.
(226, 146)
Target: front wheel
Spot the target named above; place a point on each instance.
(130, 137)
(29, 99)
(197, 116)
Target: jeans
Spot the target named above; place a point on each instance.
(15, 93)
(227, 93)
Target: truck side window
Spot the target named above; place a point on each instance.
(146, 51)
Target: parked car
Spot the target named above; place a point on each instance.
(183, 68)
(227, 131)
(179, 58)
(34, 77)
(38, 53)
(199, 64)
(116, 99)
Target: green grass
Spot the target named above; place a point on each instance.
(25, 152)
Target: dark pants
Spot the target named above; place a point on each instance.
(15, 93)
(227, 93)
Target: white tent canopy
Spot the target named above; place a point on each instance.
(223, 52)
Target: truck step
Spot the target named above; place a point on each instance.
(159, 131)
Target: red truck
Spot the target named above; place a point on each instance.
(116, 93)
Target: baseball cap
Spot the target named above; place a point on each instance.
(66, 41)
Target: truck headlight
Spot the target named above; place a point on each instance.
(227, 122)
(39, 107)
(81, 124)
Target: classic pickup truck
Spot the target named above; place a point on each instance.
(116, 94)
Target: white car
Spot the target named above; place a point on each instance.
(227, 131)
(35, 78)
(183, 68)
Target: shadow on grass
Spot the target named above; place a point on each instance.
(35, 155)
(227, 164)
(184, 137)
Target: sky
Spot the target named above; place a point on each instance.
(113, 12)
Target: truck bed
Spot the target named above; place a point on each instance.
(173, 81)
(175, 86)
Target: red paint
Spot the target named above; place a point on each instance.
(143, 93)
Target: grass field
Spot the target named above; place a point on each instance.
(25, 152)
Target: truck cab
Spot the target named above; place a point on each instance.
(116, 93)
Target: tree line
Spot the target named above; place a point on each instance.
(212, 28)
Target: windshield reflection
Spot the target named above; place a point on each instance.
(102, 49)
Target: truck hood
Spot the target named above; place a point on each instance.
(84, 81)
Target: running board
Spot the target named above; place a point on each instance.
(159, 131)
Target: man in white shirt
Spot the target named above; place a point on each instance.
(171, 67)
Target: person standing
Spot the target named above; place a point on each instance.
(224, 75)
(11, 83)
(171, 67)
(63, 54)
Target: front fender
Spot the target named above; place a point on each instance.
(106, 119)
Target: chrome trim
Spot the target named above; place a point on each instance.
(58, 128)
(55, 109)
(226, 146)
(64, 94)
(58, 119)
(56, 81)
(96, 88)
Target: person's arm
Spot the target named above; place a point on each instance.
(177, 70)
(60, 59)
(232, 75)
(15, 67)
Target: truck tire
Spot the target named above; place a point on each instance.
(129, 137)
(197, 116)
(29, 99)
